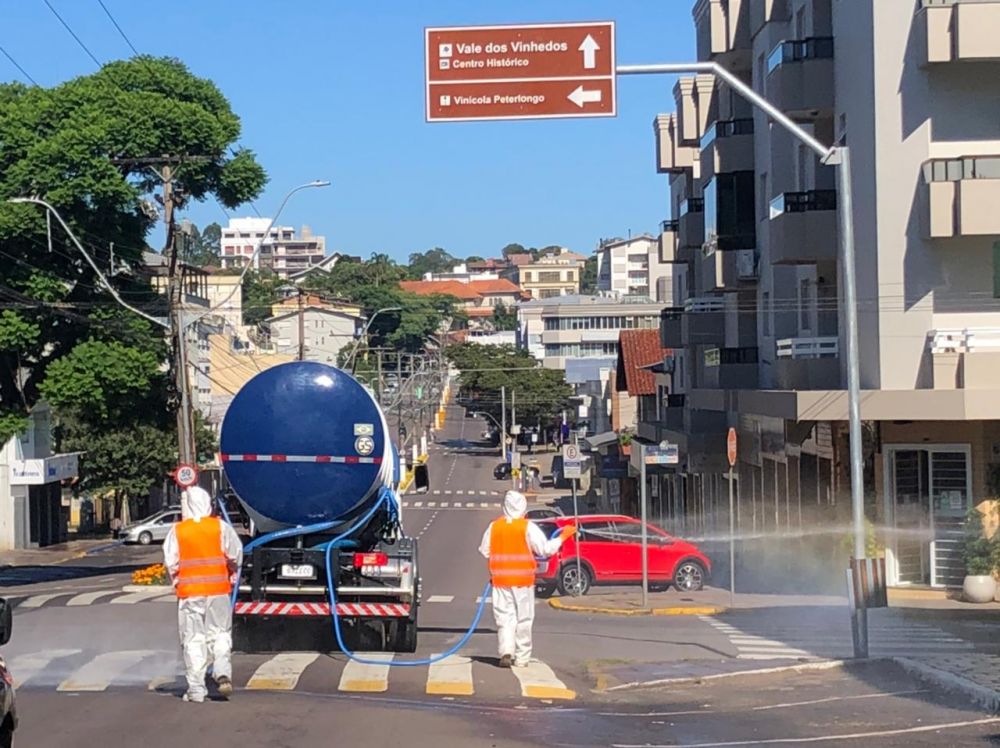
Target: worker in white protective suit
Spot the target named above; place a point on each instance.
(202, 554)
(511, 544)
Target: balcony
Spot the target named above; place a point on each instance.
(803, 227)
(763, 12)
(965, 359)
(704, 321)
(727, 146)
(807, 364)
(671, 324)
(668, 241)
(800, 77)
(722, 29)
(959, 30)
(671, 156)
(719, 271)
(691, 223)
(730, 369)
(963, 195)
(694, 99)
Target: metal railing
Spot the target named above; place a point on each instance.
(824, 347)
(814, 48)
(965, 167)
(965, 340)
(691, 205)
(669, 226)
(800, 202)
(705, 304)
(726, 129)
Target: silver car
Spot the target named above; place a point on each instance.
(152, 528)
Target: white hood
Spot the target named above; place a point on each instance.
(195, 503)
(514, 505)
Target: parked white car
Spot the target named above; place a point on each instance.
(152, 528)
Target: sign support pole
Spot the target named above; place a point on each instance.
(645, 539)
(732, 544)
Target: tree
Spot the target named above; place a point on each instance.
(85, 146)
(504, 317)
(513, 249)
(260, 294)
(541, 394)
(588, 276)
(434, 260)
(202, 248)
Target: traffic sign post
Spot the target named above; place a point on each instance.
(520, 72)
(731, 454)
(185, 476)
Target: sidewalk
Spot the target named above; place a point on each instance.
(976, 676)
(54, 554)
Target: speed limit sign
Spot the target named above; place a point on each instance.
(186, 476)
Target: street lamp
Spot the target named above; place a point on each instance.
(364, 332)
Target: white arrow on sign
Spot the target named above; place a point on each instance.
(580, 97)
(589, 48)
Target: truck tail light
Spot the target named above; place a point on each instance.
(370, 559)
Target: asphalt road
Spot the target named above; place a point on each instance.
(107, 662)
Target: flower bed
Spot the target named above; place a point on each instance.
(155, 574)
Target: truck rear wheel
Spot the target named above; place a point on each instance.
(401, 635)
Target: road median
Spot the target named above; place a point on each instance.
(627, 609)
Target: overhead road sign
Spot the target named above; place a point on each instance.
(531, 71)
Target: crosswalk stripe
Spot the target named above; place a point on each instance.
(27, 666)
(448, 493)
(440, 598)
(138, 597)
(418, 503)
(538, 681)
(485, 505)
(87, 598)
(470, 505)
(489, 600)
(452, 676)
(432, 504)
(444, 504)
(281, 672)
(366, 678)
(37, 601)
(98, 674)
(437, 493)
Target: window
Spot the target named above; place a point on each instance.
(596, 531)
(549, 276)
(766, 312)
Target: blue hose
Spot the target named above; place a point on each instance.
(329, 546)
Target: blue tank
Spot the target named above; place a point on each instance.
(303, 443)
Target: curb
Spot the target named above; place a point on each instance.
(798, 668)
(983, 696)
(680, 610)
(145, 587)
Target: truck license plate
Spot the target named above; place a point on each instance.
(297, 571)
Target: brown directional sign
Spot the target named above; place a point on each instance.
(520, 72)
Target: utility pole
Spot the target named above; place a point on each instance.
(503, 425)
(302, 329)
(399, 399)
(175, 298)
(378, 385)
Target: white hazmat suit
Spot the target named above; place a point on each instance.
(514, 607)
(204, 622)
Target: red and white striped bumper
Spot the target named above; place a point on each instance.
(337, 459)
(363, 610)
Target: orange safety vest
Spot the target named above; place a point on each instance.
(511, 562)
(203, 569)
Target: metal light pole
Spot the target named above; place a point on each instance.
(364, 331)
(642, 513)
(832, 155)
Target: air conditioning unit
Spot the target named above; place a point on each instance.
(746, 264)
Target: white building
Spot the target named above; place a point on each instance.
(282, 251)
(326, 332)
(634, 267)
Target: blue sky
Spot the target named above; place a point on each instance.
(334, 90)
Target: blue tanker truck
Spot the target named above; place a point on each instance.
(305, 448)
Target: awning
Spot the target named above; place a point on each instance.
(595, 442)
(46, 470)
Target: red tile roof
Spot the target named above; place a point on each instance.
(499, 286)
(449, 287)
(638, 348)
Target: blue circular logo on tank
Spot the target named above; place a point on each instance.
(290, 443)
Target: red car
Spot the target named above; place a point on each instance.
(611, 553)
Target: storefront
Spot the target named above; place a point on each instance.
(33, 514)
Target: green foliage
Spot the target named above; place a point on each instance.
(434, 260)
(588, 276)
(260, 293)
(514, 249)
(504, 318)
(202, 248)
(978, 551)
(541, 394)
(874, 547)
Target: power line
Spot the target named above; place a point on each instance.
(117, 26)
(15, 64)
(73, 34)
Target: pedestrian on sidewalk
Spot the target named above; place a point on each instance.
(202, 554)
(511, 544)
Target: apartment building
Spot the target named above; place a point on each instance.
(549, 276)
(282, 251)
(757, 329)
(633, 267)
